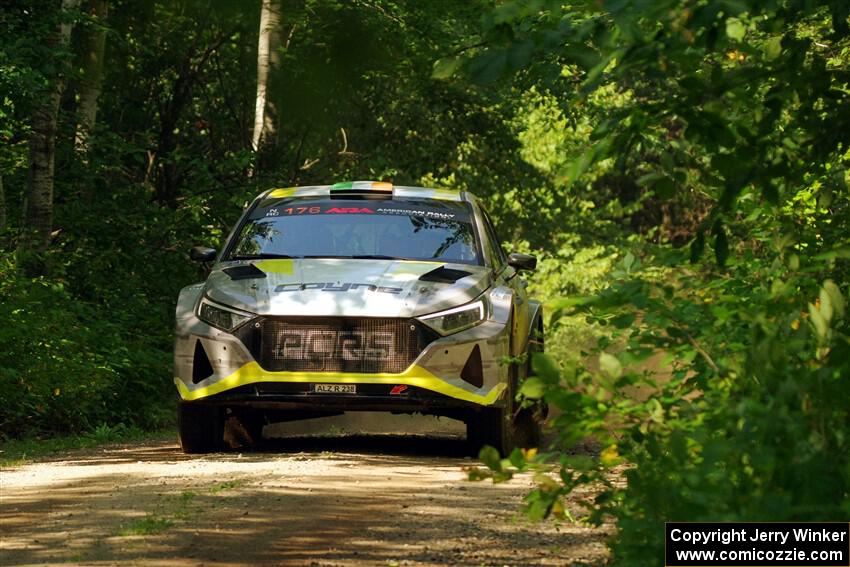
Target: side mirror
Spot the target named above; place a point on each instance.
(202, 254)
(522, 261)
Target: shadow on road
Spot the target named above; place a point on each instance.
(340, 498)
(383, 444)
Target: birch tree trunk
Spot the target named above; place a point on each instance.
(38, 207)
(92, 79)
(268, 60)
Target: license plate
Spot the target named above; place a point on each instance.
(335, 388)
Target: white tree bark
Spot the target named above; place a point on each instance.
(92, 77)
(268, 59)
(38, 207)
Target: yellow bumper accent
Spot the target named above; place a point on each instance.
(414, 376)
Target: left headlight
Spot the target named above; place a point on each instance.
(456, 319)
(221, 317)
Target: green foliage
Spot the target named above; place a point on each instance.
(148, 525)
(745, 420)
(680, 168)
(16, 452)
(717, 382)
(66, 367)
(90, 343)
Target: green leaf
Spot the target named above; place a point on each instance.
(533, 388)
(578, 462)
(516, 458)
(649, 179)
(735, 30)
(545, 367)
(772, 48)
(826, 309)
(821, 325)
(446, 67)
(596, 72)
(488, 67)
(520, 54)
(490, 457)
(537, 510)
(833, 254)
(610, 365)
(833, 294)
(623, 321)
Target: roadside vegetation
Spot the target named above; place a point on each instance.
(679, 167)
(18, 451)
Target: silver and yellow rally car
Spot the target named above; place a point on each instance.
(358, 296)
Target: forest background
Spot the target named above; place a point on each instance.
(679, 166)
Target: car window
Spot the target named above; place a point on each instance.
(497, 253)
(404, 229)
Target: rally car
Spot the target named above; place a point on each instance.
(358, 296)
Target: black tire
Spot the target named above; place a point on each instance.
(504, 428)
(527, 420)
(253, 421)
(200, 428)
(511, 426)
(489, 426)
(526, 426)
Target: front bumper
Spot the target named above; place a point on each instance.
(369, 397)
(435, 379)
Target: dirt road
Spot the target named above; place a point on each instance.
(345, 499)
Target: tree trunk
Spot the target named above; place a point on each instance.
(268, 60)
(92, 78)
(38, 208)
(189, 73)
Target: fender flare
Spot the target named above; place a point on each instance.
(535, 323)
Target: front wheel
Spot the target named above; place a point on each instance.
(490, 426)
(503, 429)
(200, 427)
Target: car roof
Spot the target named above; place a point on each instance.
(355, 188)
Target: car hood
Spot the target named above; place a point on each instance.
(343, 287)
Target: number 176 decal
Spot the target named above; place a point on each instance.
(318, 210)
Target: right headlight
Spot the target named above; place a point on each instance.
(221, 317)
(457, 319)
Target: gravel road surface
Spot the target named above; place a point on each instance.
(351, 495)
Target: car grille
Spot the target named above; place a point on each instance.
(339, 344)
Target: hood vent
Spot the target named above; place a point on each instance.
(247, 272)
(201, 367)
(444, 275)
(472, 372)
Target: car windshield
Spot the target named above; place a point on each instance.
(324, 228)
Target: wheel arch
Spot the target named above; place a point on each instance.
(534, 331)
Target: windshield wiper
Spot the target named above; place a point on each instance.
(264, 256)
(376, 257)
(352, 257)
(358, 257)
(323, 256)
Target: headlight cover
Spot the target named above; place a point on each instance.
(221, 317)
(457, 319)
